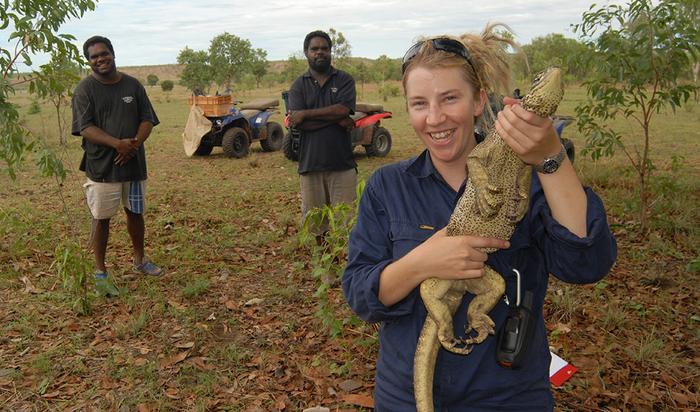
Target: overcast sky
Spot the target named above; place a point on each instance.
(146, 32)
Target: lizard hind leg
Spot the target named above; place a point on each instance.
(488, 292)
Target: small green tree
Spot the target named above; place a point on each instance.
(691, 8)
(553, 50)
(641, 51)
(34, 30)
(34, 107)
(385, 68)
(361, 73)
(342, 51)
(270, 79)
(152, 79)
(295, 66)
(259, 65)
(196, 74)
(64, 75)
(230, 57)
(167, 85)
(329, 258)
(389, 90)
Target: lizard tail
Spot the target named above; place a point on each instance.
(424, 366)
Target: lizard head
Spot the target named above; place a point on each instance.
(545, 94)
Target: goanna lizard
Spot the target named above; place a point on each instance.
(495, 199)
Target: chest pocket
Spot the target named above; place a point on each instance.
(405, 237)
(323, 96)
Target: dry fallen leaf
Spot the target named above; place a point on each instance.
(365, 401)
(201, 364)
(562, 328)
(28, 287)
(680, 398)
(168, 362)
(176, 305)
(172, 393)
(254, 301)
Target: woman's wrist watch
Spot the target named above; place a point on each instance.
(551, 164)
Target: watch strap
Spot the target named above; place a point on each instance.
(551, 164)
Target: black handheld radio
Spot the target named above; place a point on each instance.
(516, 333)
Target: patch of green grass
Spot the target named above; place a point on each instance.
(343, 369)
(199, 382)
(564, 304)
(134, 327)
(27, 325)
(614, 318)
(195, 288)
(287, 293)
(43, 364)
(638, 308)
(648, 348)
(235, 355)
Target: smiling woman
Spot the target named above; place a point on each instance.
(442, 108)
(402, 239)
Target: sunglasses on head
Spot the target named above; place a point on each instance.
(441, 43)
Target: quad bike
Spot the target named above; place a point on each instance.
(367, 131)
(235, 130)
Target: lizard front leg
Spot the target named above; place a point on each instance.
(486, 200)
(522, 185)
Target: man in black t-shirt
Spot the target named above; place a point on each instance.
(112, 113)
(320, 103)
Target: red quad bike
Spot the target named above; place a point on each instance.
(367, 131)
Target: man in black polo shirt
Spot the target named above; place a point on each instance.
(320, 103)
(112, 113)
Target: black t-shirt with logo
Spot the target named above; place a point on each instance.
(118, 109)
(328, 148)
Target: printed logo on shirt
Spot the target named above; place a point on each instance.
(334, 89)
(128, 99)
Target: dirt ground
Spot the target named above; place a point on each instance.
(232, 324)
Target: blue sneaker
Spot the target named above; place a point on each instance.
(104, 286)
(148, 268)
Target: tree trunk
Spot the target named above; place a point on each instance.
(644, 172)
(643, 201)
(696, 71)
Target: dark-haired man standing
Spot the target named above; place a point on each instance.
(320, 103)
(112, 113)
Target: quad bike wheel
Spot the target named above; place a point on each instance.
(204, 149)
(381, 143)
(290, 152)
(235, 142)
(569, 147)
(275, 137)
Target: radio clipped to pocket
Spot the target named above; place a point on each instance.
(515, 335)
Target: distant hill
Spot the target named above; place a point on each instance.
(163, 71)
(172, 71)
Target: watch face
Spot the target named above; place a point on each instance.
(550, 166)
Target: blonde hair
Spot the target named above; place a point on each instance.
(487, 68)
